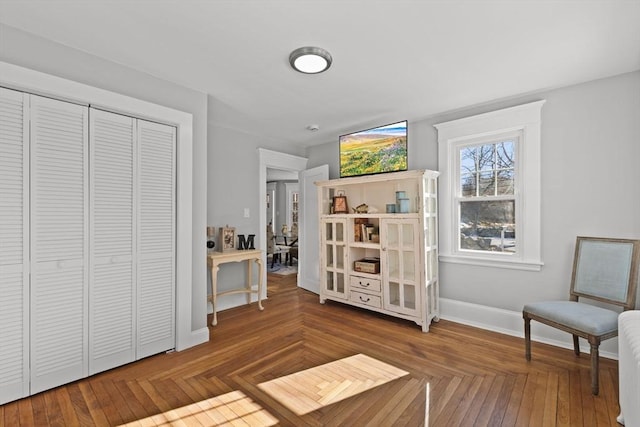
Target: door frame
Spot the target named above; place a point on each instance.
(273, 160)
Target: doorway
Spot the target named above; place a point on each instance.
(274, 162)
(282, 190)
(282, 219)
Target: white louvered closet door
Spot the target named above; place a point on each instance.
(156, 238)
(112, 285)
(59, 240)
(14, 249)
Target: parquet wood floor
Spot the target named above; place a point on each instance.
(311, 389)
(458, 375)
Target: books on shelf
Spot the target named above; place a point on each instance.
(365, 232)
(357, 228)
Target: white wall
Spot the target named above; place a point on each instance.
(26, 50)
(590, 186)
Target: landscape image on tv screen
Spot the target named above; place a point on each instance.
(378, 150)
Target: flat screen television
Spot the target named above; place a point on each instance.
(377, 150)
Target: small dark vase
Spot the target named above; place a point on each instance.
(211, 244)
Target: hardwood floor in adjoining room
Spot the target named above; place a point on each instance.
(458, 375)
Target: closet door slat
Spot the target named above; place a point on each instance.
(14, 249)
(156, 238)
(59, 241)
(112, 286)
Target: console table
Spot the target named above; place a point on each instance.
(214, 259)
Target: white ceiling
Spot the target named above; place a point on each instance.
(393, 59)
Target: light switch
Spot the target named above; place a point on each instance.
(246, 212)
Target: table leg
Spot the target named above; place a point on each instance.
(249, 280)
(260, 284)
(214, 291)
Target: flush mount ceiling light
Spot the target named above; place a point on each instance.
(310, 60)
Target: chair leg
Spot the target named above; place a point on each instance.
(595, 366)
(576, 345)
(527, 337)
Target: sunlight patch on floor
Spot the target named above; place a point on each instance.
(426, 405)
(233, 408)
(314, 388)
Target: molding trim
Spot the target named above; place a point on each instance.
(510, 323)
(523, 122)
(199, 336)
(488, 262)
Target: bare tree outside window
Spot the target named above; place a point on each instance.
(487, 199)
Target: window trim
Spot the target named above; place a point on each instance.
(526, 120)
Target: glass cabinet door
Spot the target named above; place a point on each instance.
(400, 259)
(333, 257)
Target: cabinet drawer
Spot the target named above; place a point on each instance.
(366, 299)
(365, 283)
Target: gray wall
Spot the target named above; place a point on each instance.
(232, 186)
(325, 154)
(590, 184)
(589, 151)
(26, 50)
(422, 149)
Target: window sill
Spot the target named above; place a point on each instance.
(511, 264)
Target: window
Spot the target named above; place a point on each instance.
(486, 197)
(292, 190)
(490, 188)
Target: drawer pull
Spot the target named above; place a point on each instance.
(364, 300)
(364, 284)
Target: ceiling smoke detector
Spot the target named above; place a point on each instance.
(313, 128)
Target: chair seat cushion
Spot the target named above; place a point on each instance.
(281, 249)
(582, 317)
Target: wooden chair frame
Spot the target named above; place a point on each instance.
(576, 292)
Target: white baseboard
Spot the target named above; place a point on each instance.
(511, 323)
(198, 336)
